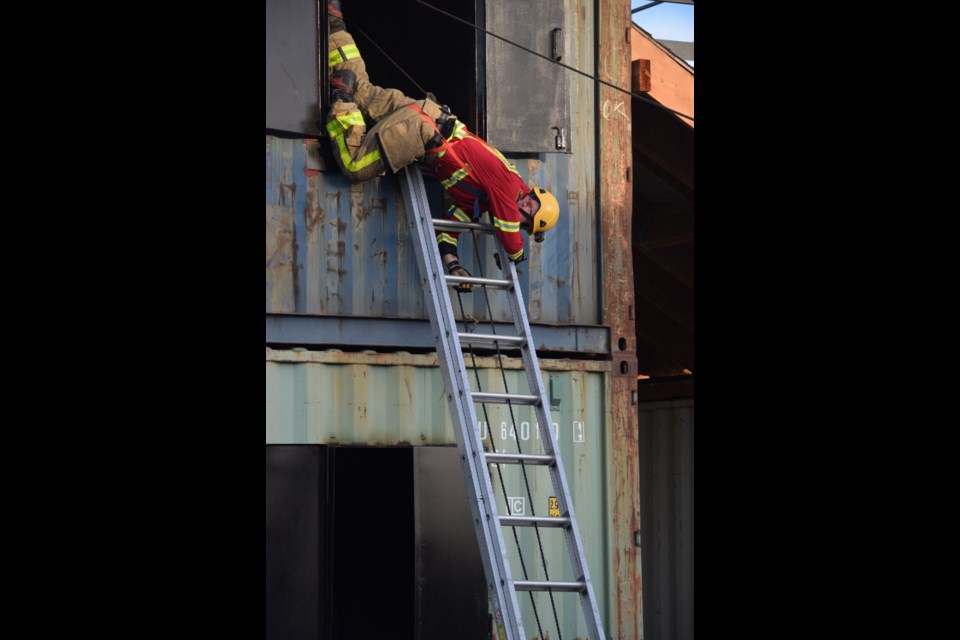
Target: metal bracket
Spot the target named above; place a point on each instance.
(561, 140)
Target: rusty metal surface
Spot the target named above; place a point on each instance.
(303, 330)
(614, 114)
(337, 248)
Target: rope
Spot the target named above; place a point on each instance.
(503, 486)
(392, 61)
(523, 466)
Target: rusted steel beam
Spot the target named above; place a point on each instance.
(616, 202)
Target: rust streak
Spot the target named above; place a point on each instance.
(288, 188)
(314, 214)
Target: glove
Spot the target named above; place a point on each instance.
(456, 269)
(496, 258)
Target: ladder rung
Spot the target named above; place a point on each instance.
(480, 282)
(529, 521)
(456, 225)
(486, 338)
(543, 585)
(517, 458)
(502, 398)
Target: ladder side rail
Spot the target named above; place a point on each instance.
(575, 547)
(479, 487)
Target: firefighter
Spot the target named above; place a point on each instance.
(475, 175)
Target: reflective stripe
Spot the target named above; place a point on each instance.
(513, 227)
(457, 176)
(349, 164)
(343, 122)
(459, 132)
(446, 237)
(342, 54)
(458, 213)
(515, 256)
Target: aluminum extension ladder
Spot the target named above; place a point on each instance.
(502, 588)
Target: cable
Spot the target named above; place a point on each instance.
(513, 422)
(353, 22)
(540, 55)
(493, 444)
(647, 6)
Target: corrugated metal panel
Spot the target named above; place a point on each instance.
(336, 248)
(666, 506)
(387, 399)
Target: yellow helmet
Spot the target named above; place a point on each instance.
(547, 215)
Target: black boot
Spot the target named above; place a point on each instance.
(344, 83)
(335, 16)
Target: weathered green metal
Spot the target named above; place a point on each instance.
(388, 399)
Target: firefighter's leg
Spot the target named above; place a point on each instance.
(375, 102)
(403, 134)
(357, 153)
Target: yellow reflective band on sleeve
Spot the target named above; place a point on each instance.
(510, 227)
(459, 132)
(459, 175)
(446, 237)
(459, 214)
(355, 165)
(343, 122)
(342, 54)
(515, 256)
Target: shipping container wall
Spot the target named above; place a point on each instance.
(332, 397)
(336, 248)
(666, 518)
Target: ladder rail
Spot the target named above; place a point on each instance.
(453, 368)
(575, 546)
(502, 588)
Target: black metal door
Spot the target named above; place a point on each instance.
(296, 540)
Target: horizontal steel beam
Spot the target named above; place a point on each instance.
(403, 333)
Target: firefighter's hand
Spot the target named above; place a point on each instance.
(496, 258)
(456, 269)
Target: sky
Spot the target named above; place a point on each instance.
(667, 21)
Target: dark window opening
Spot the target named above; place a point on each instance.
(372, 557)
(437, 52)
(371, 542)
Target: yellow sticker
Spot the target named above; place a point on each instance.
(554, 508)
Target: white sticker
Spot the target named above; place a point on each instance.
(518, 506)
(577, 431)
